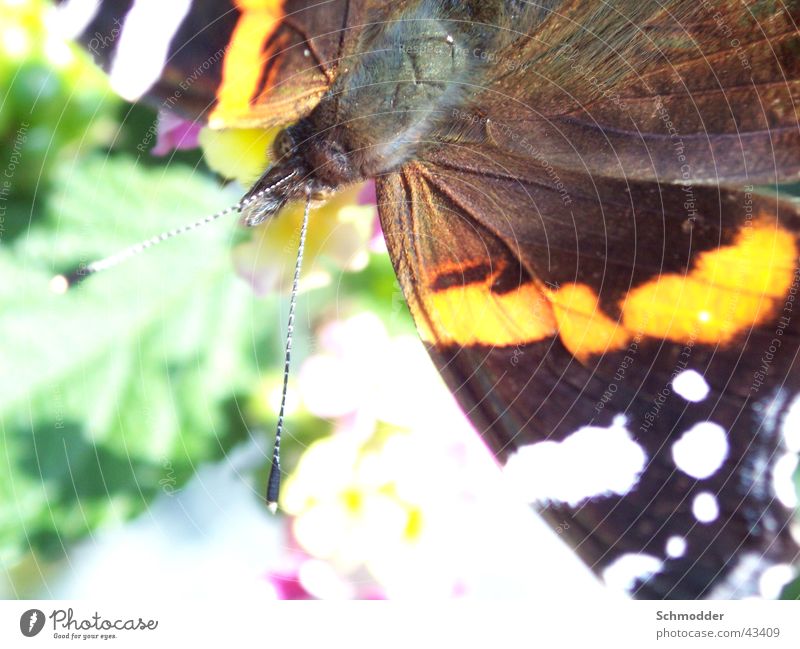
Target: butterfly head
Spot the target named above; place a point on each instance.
(316, 168)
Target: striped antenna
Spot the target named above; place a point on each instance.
(274, 481)
(62, 283)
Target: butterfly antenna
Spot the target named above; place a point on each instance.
(62, 283)
(274, 481)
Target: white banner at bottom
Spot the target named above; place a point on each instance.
(386, 625)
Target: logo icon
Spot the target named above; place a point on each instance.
(31, 622)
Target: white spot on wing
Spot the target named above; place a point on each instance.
(794, 530)
(691, 386)
(144, 45)
(783, 479)
(705, 507)
(629, 568)
(593, 461)
(701, 450)
(791, 426)
(774, 578)
(676, 546)
(73, 16)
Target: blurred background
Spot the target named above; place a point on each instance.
(137, 411)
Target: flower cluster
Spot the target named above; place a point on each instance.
(393, 491)
(384, 506)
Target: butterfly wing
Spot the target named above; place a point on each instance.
(613, 359)
(619, 327)
(677, 90)
(262, 63)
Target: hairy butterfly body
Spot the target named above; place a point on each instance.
(581, 203)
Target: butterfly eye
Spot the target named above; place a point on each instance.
(283, 145)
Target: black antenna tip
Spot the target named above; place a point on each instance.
(274, 485)
(60, 284)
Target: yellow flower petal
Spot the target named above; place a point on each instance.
(240, 154)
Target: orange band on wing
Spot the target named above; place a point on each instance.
(244, 59)
(730, 290)
(583, 328)
(473, 314)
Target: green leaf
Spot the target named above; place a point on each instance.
(124, 385)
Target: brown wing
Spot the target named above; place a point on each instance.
(680, 90)
(569, 324)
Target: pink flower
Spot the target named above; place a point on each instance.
(175, 134)
(287, 585)
(305, 578)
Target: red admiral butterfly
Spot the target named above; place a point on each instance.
(580, 200)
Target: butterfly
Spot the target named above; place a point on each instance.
(582, 202)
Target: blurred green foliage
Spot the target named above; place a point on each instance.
(117, 391)
(53, 105)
